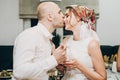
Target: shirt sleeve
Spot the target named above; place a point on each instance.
(24, 65)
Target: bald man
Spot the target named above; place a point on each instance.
(32, 57)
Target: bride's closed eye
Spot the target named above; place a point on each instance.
(66, 15)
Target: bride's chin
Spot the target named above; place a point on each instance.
(67, 28)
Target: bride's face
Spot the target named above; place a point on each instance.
(70, 20)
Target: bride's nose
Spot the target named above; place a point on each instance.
(65, 18)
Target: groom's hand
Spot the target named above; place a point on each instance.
(60, 54)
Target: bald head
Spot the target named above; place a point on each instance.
(45, 8)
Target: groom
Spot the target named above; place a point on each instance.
(33, 47)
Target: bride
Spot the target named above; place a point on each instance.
(84, 60)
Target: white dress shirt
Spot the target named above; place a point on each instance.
(32, 54)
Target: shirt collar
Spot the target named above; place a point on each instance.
(45, 31)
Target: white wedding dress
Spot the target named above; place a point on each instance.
(79, 50)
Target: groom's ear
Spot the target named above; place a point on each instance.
(50, 17)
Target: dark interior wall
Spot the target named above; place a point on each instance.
(6, 53)
(6, 57)
(109, 50)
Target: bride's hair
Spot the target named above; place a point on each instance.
(87, 17)
(86, 14)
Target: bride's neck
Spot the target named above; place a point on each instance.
(76, 32)
(76, 36)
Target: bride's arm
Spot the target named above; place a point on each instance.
(99, 72)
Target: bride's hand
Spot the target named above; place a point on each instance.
(71, 64)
